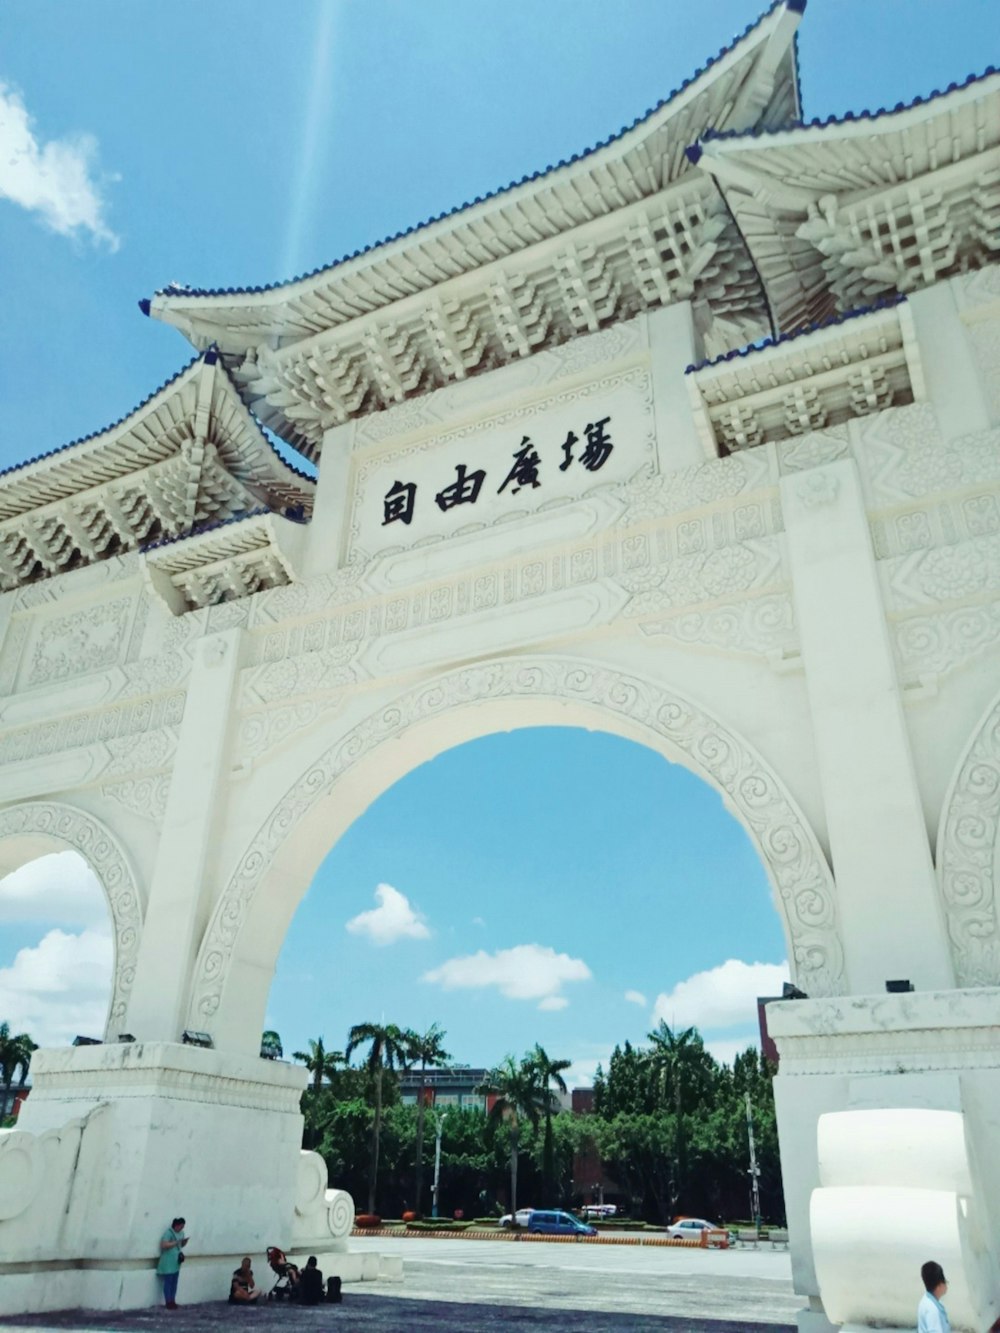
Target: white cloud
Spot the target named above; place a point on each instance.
(581, 1073)
(56, 179)
(60, 888)
(636, 997)
(393, 919)
(59, 987)
(726, 1049)
(525, 972)
(724, 996)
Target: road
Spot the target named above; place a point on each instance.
(737, 1284)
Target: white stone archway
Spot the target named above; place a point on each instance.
(968, 853)
(37, 827)
(596, 695)
(774, 559)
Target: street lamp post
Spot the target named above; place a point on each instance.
(438, 1127)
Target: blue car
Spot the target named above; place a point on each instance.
(558, 1224)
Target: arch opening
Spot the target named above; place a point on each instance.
(252, 916)
(551, 884)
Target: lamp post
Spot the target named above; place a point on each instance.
(438, 1128)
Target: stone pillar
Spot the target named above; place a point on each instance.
(891, 921)
(672, 347)
(327, 545)
(181, 891)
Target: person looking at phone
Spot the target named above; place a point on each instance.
(172, 1244)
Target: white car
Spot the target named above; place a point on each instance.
(519, 1219)
(690, 1228)
(599, 1210)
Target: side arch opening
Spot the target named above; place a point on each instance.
(82, 859)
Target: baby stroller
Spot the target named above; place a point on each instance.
(287, 1274)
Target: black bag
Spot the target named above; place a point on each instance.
(180, 1257)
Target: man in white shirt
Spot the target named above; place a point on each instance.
(931, 1314)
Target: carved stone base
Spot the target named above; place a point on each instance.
(117, 1140)
(888, 1114)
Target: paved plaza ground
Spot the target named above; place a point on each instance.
(453, 1284)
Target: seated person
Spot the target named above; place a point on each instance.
(310, 1283)
(243, 1290)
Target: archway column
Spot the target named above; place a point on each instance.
(891, 920)
(180, 893)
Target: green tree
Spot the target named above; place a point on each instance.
(320, 1062)
(518, 1098)
(427, 1051)
(15, 1055)
(549, 1072)
(684, 1069)
(387, 1049)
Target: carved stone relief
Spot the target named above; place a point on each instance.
(968, 846)
(815, 449)
(690, 579)
(131, 720)
(798, 870)
(87, 835)
(84, 641)
(74, 581)
(946, 573)
(759, 627)
(937, 644)
(651, 495)
(907, 458)
(145, 797)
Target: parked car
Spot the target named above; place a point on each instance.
(518, 1219)
(690, 1228)
(552, 1223)
(599, 1210)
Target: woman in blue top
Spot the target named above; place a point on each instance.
(172, 1244)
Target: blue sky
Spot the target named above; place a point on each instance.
(244, 142)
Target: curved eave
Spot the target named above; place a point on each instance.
(827, 209)
(153, 430)
(796, 166)
(760, 62)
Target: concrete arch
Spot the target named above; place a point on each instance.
(35, 828)
(968, 852)
(240, 946)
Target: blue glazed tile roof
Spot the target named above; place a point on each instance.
(738, 353)
(202, 528)
(210, 357)
(73, 444)
(849, 117)
(177, 289)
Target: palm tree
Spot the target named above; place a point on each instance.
(15, 1054)
(674, 1058)
(519, 1096)
(320, 1062)
(387, 1048)
(549, 1072)
(428, 1052)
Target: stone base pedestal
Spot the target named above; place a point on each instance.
(116, 1140)
(888, 1116)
